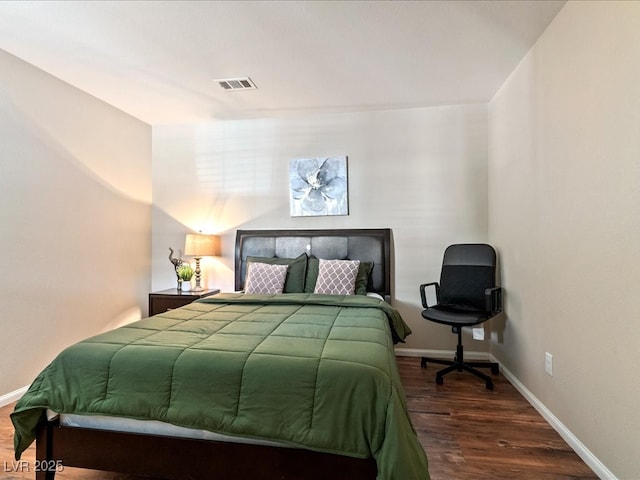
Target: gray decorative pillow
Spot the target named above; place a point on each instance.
(362, 279)
(263, 278)
(294, 283)
(336, 277)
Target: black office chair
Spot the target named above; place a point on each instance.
(466, 295)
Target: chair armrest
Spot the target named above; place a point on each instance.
(493, 300)
(423, 295)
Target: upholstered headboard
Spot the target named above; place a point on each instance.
(354, 244)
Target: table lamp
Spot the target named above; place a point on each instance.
(198, 245)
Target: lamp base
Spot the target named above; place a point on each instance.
(197, 287)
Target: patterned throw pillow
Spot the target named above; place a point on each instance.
(263, 278)
(294, 283)
(362, 279)
(337, 277)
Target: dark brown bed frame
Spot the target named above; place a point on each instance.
(166, 457)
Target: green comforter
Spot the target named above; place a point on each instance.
(315, 371)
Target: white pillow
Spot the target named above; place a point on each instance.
(337, 277)
(263, 278)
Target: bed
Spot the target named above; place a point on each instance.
(301, 385)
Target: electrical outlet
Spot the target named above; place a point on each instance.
(548, 363)
(478, 333)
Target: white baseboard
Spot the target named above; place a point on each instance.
(12, 396)
(446, 354)
(581, 450)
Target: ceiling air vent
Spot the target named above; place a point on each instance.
(237, 84)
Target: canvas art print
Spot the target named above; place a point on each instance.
(318, 186)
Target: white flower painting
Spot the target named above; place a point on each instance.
(318, 186)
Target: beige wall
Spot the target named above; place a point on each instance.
(559, 200)
(421, 172)
(564, 203)
(75, 218)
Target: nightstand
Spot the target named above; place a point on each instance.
(160, 302)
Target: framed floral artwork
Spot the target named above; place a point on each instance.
(318, 186)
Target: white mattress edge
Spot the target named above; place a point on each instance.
(152, 427)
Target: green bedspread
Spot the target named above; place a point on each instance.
(315, 371)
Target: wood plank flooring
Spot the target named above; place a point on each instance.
(469, 433)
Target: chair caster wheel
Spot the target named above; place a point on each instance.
(489, 385)
(439, 380)
(495, 369)
(423, 363)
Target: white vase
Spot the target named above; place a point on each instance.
(186, 285)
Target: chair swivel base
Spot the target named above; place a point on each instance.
(458, 364)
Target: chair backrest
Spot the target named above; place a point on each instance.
(467, 270)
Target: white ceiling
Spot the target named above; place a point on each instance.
(156, 60)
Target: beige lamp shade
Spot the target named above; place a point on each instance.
(198, 245)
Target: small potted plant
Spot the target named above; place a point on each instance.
(185, 273)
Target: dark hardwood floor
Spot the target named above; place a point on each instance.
(469, 433)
